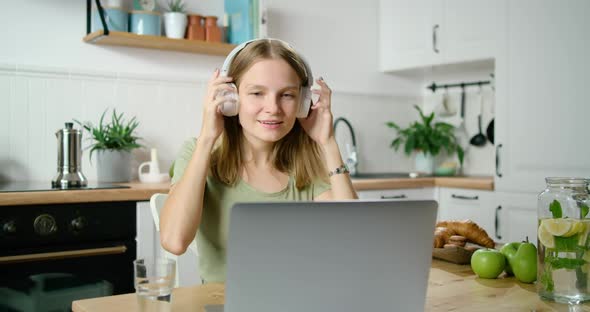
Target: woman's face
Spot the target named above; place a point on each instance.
(269, 99)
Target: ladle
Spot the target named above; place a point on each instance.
(479, 139)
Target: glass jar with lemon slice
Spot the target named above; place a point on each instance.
(563, 271)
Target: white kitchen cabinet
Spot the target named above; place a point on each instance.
(406, 30)
(515, 216)
(148, 246)
(542, 107)
(421, 33)
(426, 193)
(461, 204)
(472, 29)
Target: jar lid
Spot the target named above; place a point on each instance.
(567, 181)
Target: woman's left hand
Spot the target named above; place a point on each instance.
(318, 124)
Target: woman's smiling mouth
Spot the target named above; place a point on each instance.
(270, 124)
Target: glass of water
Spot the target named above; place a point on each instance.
(154, 280)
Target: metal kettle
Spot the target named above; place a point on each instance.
(69, 158)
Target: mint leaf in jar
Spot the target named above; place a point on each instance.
(555, 208)
(583, 210)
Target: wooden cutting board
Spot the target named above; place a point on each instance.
(455, 254)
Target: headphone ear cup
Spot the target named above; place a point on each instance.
(305, 103)
(230, 106)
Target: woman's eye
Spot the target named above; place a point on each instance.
(289, 95)
(256, 93)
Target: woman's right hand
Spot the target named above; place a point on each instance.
(212, 125)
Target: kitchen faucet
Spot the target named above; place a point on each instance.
(352, 160)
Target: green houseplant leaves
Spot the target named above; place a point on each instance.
(176, 6)
(116, 134)
(427, 136)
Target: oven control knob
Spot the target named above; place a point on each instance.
(9, 227)
(78, 224)
(45, 225)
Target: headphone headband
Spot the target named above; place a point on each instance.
(230, 58)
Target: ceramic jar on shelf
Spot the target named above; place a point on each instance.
(195, 29)
(212, 31)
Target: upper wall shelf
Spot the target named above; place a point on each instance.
(118, 38)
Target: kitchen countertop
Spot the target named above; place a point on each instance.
(143, 191)
(451, 287)
(136, 192)
(478, 183)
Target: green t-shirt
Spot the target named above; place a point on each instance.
(218, 201)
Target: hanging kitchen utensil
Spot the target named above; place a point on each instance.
(490, 131)
(447, 109)
(490, 128)
(479, 139)
(461, 132)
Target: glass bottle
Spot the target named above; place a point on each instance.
(563, 254)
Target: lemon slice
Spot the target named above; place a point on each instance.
(577, 227)
(556, 227)
(545, 237)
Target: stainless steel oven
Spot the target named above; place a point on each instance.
(51, 255)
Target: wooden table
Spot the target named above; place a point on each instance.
(451, 287)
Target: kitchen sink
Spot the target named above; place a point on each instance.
(386, 175)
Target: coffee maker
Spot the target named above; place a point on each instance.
(69, 158)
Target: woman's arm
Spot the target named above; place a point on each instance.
(341, 184)
(319, 127)
(181, 215)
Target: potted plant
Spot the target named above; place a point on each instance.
(175, 20)
(427, 139)
(113, 143)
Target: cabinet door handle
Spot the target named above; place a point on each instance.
(498, 173)
(394, 196)
(465, 197)
(434, 38)
(497, 221)
(64, 254)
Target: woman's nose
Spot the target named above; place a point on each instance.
(273, 104)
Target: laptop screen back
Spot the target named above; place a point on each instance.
(329, 256)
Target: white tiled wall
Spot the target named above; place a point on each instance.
(36, 101)
(35, 104)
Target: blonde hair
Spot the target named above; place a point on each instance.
(295, 154)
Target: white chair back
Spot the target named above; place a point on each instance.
(156, 204)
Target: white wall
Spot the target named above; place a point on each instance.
(338, 38)
(49, 76)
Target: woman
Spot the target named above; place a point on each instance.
(265, 153)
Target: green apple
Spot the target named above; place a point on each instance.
(524, 263)
(488, 263)
(509, 250)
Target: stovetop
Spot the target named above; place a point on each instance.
(39, 186)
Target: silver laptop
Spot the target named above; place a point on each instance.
(329, 256)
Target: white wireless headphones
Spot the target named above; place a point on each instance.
(230, 107)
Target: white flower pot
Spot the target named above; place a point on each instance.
(424, 163)
(113, 166)
(175, 25)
